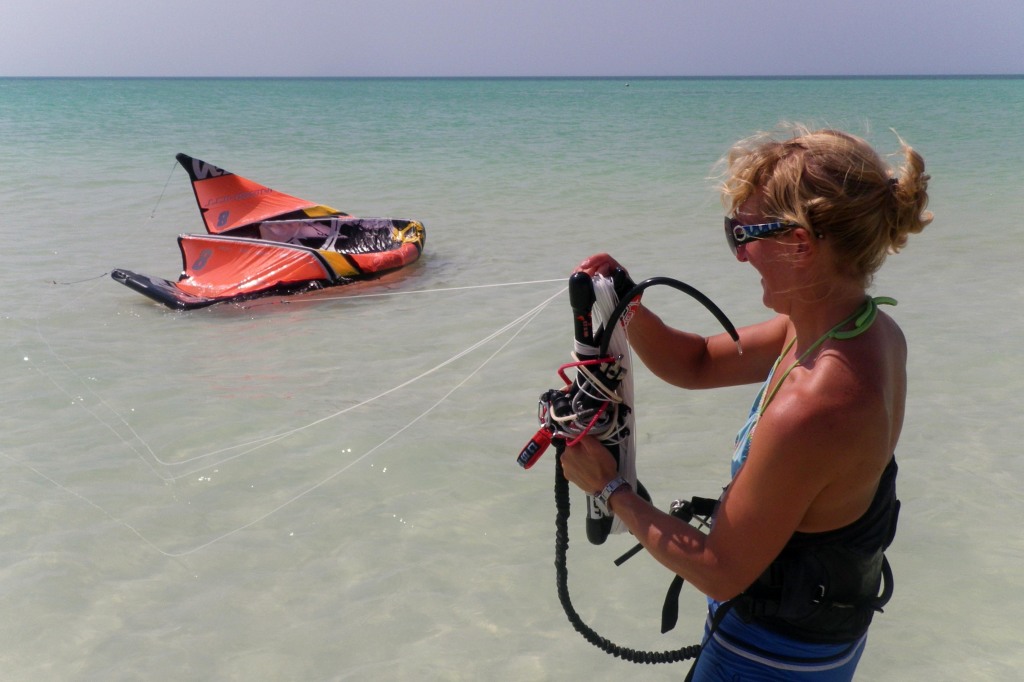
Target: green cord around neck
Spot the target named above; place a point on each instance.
(862, 321)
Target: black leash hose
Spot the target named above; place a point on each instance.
(675, 284)
(562, 581)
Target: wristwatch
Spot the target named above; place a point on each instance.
(601, 498)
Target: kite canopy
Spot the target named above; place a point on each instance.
(228, 201)
(261, 241)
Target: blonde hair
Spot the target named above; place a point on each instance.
(835, 185)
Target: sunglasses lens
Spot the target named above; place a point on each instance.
(730, 233)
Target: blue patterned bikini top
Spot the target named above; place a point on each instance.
(746, 434)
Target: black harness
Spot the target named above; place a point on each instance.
(823, 587)
(826, 587)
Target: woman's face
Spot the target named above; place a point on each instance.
(771, 257)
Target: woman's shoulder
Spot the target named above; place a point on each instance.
(852, 377)
(866, 364)
(848, 402)
(830, 430)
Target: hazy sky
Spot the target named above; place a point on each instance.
(509, 37)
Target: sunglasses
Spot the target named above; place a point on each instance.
(737, 233)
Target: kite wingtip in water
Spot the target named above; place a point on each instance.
(262, 242)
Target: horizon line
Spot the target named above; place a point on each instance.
(531, 77)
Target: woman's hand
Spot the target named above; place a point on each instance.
(589, 465)
(598, 264)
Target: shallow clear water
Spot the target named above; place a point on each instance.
(324, 486)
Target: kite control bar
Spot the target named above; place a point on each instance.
(590, 402)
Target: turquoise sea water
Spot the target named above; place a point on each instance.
(324, 487)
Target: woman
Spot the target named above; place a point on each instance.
(793, 564)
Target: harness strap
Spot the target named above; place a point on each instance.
(702, 507)
(887, 586)
(670, 609)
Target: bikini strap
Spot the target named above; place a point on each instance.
(862, 321)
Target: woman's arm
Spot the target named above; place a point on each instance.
(691, 360)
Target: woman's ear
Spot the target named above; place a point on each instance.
(804, 240)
